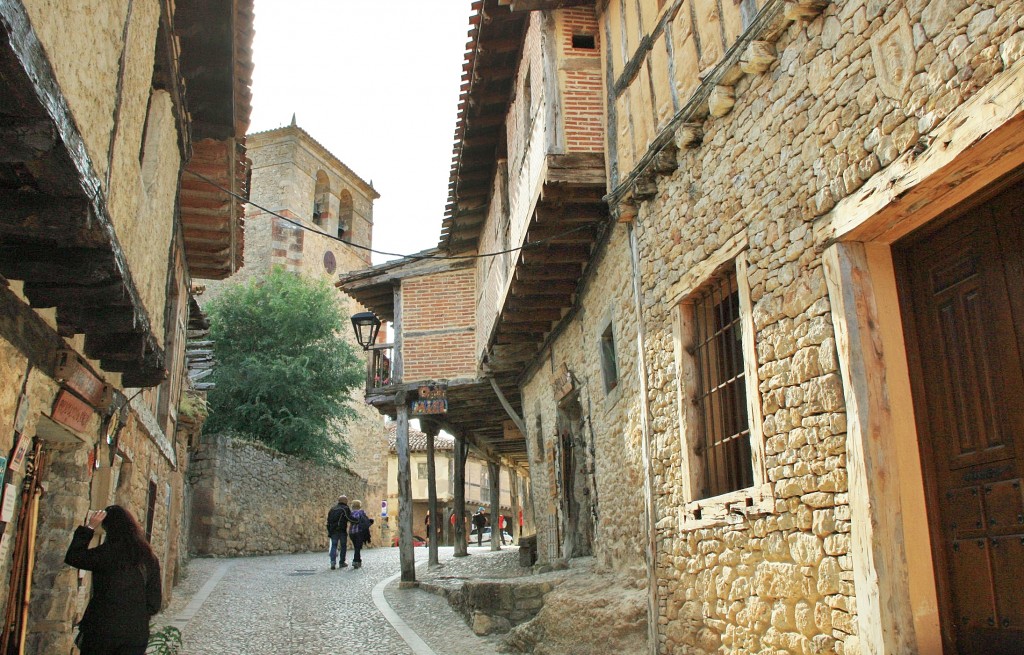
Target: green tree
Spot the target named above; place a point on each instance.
(284, 375)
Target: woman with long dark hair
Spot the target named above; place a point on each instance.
(125, 583)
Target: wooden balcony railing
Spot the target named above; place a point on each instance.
(379, 366)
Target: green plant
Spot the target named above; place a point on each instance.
(193, 406)
(284, 374)
(165, 641)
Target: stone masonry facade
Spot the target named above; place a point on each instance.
(769, 568)
(251, 500)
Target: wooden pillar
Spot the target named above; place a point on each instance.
(513, 492)
(461, 549)
(494, 472)
(431, 430)
(406, 556)
(885, 613)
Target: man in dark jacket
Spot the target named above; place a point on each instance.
(338, 519)
(479, 522)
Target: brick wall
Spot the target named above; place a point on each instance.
(439, 326)
(582, 89)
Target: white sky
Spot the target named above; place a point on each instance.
(377, 83)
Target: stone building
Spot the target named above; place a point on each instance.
(331, 207)
(116, 118)
(798, 326)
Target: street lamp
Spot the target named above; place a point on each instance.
(366, 326)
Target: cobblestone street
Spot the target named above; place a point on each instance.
(296, 605)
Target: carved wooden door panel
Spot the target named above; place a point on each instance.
(965, 283)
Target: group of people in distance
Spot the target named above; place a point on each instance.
(344, 522)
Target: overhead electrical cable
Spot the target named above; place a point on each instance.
(300, 225)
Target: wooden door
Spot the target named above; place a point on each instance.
(963, 290)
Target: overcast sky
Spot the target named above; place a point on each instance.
(377, 83)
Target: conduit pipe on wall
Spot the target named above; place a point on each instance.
(645, 427)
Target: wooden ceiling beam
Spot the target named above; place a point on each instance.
(553, 254)
(562, 272)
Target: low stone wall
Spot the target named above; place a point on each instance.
(251, 500)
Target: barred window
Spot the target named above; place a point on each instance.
(721, 401)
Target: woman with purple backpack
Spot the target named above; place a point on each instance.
(359, 531)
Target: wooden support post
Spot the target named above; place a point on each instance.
(494, 472)
(436, 520)
(461, 549)
(405, 549)
(513, 491)
(884, 610)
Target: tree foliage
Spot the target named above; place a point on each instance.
(284, 375)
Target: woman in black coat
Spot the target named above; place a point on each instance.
(125, 584)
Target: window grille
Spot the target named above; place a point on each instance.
(721, 399)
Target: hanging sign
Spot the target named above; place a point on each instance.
(433, 399)
(80, 379)
(72, 412)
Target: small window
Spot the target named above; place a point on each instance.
(583, 42)
(345, 208)
(720, 398)
(421, 470)
(609, 366)
(321, 199)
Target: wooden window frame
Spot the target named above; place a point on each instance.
(734, 506)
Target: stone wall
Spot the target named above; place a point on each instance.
(612, 424)
(822, 120)
(248, 499)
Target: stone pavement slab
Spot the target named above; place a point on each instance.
(295, 605)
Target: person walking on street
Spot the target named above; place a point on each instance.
(125, 584)
(501, 528)
(479, 522)
(338, 519)
(359, 530)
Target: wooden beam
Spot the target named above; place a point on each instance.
(553, 254)
(64, 221)
(25, 139)
(884, 609)
(528, 316)
(527, 289)
(564, 272)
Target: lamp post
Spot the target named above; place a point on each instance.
(366, 325)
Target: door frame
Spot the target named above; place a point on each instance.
(976, 148)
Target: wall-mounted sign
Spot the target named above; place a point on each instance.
(511, 430)
(9, 502)
(72, 412)
(20, 451)
(432, 399)
(80, 379)
(562, 382)
(330, 263)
